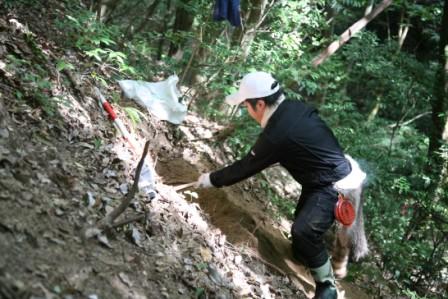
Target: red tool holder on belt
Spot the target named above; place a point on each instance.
(344, 211)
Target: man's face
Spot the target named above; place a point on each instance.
(257, 113)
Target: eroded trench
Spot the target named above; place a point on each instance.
(245, 224)
(242, 223)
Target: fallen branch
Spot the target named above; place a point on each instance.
(108, 221)
(128, 220)
(75, 85)
(252, 254)
(110, 218)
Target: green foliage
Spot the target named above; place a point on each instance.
(398, 202)
(401, 185)
(413, 295)
(38, 95)
(406, 205)
(201, 266)
(97, 142)
(62, 65)
(365, 73)
(245, 134)
(96, 40)
(354, 3)
(10, 4)
(405, 93)
(199, 293)
(134, 115)
(35, 82)
(88, 32)
(283, 206)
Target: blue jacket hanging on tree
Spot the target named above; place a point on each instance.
(227, 10)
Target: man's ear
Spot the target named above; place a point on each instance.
(261, 104)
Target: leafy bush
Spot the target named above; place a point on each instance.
(96, 40)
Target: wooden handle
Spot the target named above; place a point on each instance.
(184, 186)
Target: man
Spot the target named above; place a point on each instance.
(294, 136)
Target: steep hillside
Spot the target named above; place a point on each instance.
(63, 167)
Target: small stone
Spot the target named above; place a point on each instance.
(238, 259)
(58, 212)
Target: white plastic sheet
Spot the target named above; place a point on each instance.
(160, 98)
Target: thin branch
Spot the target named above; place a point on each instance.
(190, 61)
(128, 220)
(266, 12)
(109, 219)
(400, 120)
(257, 256)
(75, 85)
(411, 120)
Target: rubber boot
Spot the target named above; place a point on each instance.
(325, 283)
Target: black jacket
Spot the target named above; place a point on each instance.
(297, 138)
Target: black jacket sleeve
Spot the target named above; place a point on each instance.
(262, 154)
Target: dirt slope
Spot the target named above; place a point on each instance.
(62, 173)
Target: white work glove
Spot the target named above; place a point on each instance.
(204, 181)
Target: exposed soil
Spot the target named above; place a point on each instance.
(61, 174)
(240, 217)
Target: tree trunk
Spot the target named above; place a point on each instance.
(437, 167)
(330, 14)
(257, 9)
(375, 110)
(238, 32)
(344, 37)
(205, 39)
(149, 12)
(111, 7)
(182, 23)
(403, 29)
(164, 29)
(99, 8)
(103, 8)
(440, 102)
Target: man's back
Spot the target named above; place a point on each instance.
(306, 146)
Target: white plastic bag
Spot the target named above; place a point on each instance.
(160, 98)
(353, 180)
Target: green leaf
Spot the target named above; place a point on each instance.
(96, 53)
(201, 266)
(134, 115)
(62, 65)
(199, 292)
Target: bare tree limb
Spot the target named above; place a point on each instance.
(128, 220)
(349, 33)
(411, 120)
(108, 221)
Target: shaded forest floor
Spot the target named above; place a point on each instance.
(62, 173)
